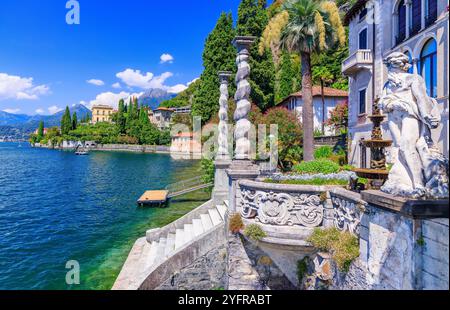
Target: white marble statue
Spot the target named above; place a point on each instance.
(419, 169)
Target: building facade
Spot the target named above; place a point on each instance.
(322, 108)
(102, 114)
(418, 28)
(162, 117)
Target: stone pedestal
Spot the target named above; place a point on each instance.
(221, 192)
(239, 170)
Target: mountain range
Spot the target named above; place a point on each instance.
(16, 126)
(152, 98)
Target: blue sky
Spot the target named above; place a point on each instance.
(45, 64)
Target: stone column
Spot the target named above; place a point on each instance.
(408, 17)
(223, 152)
(223, 159)
(242, 167)
(242, 97)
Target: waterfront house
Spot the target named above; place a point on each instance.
(184, 143)
(36, 132)
(102, 113)
(162, 117)
(418, 28)
(323, 105)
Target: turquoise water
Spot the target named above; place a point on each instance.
(56, 207)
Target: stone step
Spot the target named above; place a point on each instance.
(222, 211)
(215, 217)
(206, 222)
(188, 232)
(179, 239)
(152, 255)
(170, 245)
(197, 227)
(160, 251)
(145, 254)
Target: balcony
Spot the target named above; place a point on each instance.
(359, 60)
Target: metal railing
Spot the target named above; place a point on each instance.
(186, 186)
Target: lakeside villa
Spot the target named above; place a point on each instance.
(102, 114)
(417, 28)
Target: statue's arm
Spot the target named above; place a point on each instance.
(425, 104)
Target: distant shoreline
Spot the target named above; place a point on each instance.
(132, 148)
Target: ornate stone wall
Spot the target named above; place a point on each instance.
(282, 205)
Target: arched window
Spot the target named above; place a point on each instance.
(401, 22)
(362, 39)
(411, 69)
(428, 66)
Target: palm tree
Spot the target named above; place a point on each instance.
(312, 26)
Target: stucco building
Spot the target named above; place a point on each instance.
(102, 113)
(162, 117)
(322, 108)
(418, 28)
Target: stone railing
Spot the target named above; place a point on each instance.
(348, 209)
(282, 205)
(305, 206)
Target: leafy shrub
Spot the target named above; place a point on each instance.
(254, 232)
(343, 246)
(302, 267)
(341, 160)
(347, 168)
(323, 152)
(363, 181)
(236, 224)
(324, 166)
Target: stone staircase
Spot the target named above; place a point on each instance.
(147, 254)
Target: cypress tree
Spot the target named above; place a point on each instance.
(121, 120)
(135, 108)
(218, 55)
(287, 75)
(130, 113)
(143, 117)
(74, 121)
(252, 20)
(41, 130)
(66, 122)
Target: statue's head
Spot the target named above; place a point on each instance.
(398, 60)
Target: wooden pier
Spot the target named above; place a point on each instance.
(160, 197)
(157, 198)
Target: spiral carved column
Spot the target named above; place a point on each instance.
(223, 152)
(242, 98)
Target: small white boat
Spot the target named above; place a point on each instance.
(81, 153)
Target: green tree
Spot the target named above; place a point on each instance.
(120, 117)
(66, 122)
(218, 55)
(143, 116)
(313, 26)
(40, 134)
(135, 108)
(252, 20)
(74, 121)
(287, 77)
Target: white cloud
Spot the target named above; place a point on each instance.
(166, 58)
(117, 85)
(16, 87)
(54, 109)
(40, 111)
(112, 99)
(177, 88)
(11, 111)
(134, 78)
(96, 82)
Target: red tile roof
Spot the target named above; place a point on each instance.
(317, 91)
(164, 109)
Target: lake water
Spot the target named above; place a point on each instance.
(56, 207)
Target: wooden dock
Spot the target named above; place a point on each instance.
(153, 198)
